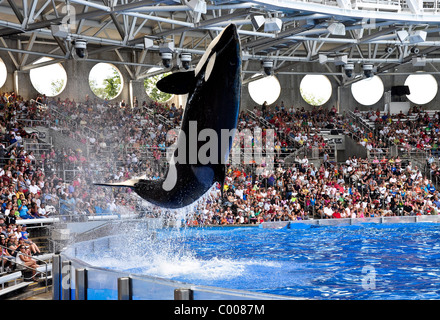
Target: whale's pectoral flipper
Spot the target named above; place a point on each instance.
(177, 83)
(128, 184)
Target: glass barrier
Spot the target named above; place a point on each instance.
(102, 284)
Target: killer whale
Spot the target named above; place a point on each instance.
(210, 118)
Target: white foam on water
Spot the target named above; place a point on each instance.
(168, 256)
(195, 268)
(181, 214)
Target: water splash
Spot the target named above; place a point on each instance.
(178, 217)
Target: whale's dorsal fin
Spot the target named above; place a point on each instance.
(177, 83)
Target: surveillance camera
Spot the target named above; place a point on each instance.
(166, 59)
(185, 58)
(348, 68)
(368, 70)
(80, 48)
(267, 67)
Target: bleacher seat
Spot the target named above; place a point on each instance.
(12, 277)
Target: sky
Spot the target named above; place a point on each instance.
(422, 88)
(101, 71)
(3, 73)
(266, 89)
(368, 91)
(318, 86)
(42, 77)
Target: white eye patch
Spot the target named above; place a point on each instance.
(206, 54)
(210, 66)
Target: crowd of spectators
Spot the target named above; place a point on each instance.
(358, 188)
(297, 127)
(122, 142)
(31, 187)
(410, 131)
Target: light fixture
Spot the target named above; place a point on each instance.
(59, 31)
(79, 49)
(267, 66)
(368, 70)
(166, 50)
(258, 21)
(402, 35)
(272, 24)
(348, 69)
(198, 8)
(148, 43)
(419, 61)
(166, 59)
(185, 59)
(340, 60)
(166, 47)
(417, 36)
(336, 29)
(323, 58)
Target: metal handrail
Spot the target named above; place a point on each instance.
(12, 145)
(16, 263)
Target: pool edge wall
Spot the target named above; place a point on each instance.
(74, 279)
(351, 221)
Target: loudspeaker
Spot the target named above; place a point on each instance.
(335, 132)
(399, 90)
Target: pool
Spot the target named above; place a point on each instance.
(367, 261)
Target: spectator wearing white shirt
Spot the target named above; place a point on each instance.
(34, 188)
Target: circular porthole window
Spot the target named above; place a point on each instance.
(150, 86)
(315, 89)
(3, 73)
(105, 81)
(266, 89)
(49, 80)
(368, 91)
(422, 87)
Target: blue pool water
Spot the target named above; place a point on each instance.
(369, 261)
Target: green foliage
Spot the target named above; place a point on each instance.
(152, 91)
(109, 88)
(56, 86)
(311, 99)
(112, 85)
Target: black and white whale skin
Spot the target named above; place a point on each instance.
(207, 129)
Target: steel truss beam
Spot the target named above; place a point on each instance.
(293, 44)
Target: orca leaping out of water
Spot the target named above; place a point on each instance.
(207, 129)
